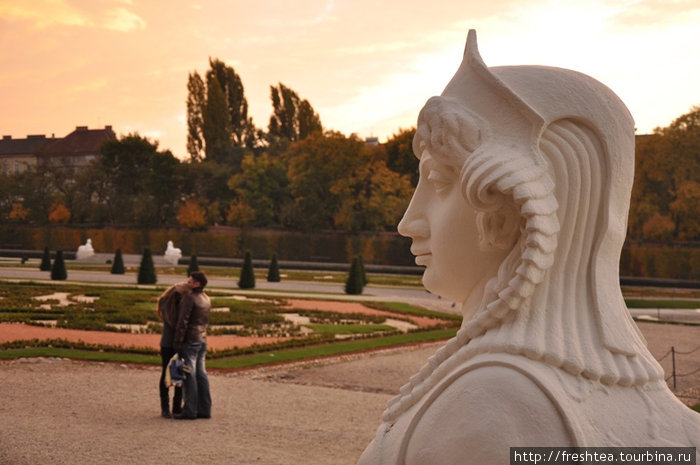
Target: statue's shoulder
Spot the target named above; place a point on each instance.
(480, 412)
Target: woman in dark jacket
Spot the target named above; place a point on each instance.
(168, 308)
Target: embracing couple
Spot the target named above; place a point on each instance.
(184, 309)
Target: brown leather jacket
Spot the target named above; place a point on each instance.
(168, 309)
(193, 319)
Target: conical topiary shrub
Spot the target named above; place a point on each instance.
(118, 264)
(273, 273)
(193, 266)
(354, 284)
(247, 279)
(46, 260)
(58, 270)
(147, 271)
(362, 270)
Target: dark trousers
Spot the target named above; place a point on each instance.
(166, 353)
(196, 385)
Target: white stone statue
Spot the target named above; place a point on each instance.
(85, 251)
(172, 254)
(520, 215)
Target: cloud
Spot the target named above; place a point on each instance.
(50, 13)
(327, 13)
(123, 20)
(154, 134)
(644, 13)
(375, 48)
(88, 86)
(44, 13)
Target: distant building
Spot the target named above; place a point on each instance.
(77, 149)
(18, 155)
(371, 141)
(74, 151)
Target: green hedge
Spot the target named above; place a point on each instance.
(385, 248)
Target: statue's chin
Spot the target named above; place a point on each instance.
(465, 294)
(441, 285)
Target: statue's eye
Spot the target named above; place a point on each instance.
(441, 180)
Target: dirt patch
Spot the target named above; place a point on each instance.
(67, 413)
(685, 341)
(10, 332)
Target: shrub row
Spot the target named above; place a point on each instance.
(227, 242)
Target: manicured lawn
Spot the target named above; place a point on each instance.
(662, 303)
(348, 328)
(326, 350)
(76, 354)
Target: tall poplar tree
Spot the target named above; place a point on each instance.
(242, 128)
(292, 118)
(196, 101)
(218, 126)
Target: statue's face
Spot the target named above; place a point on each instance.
(443, 228)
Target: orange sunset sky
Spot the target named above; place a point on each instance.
(367, 66)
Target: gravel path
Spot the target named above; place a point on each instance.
(321, 412)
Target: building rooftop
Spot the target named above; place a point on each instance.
(82, 141)
(28, 146)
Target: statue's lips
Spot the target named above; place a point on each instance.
(423, 259)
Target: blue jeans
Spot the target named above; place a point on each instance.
(196, 385)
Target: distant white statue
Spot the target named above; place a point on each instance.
(520, 214)
(172, 254)
(85, 251)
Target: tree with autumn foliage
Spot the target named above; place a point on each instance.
(665, 202)
(18, 212)
(59, 214)
(192, 215)
(315, 164)
(338, 182)
(399, 154)
(261, 189)
(240, 214)
(373, 198)
(35, 191)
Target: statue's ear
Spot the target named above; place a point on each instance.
(499, 229)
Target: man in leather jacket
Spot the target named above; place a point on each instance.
(191, 343)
